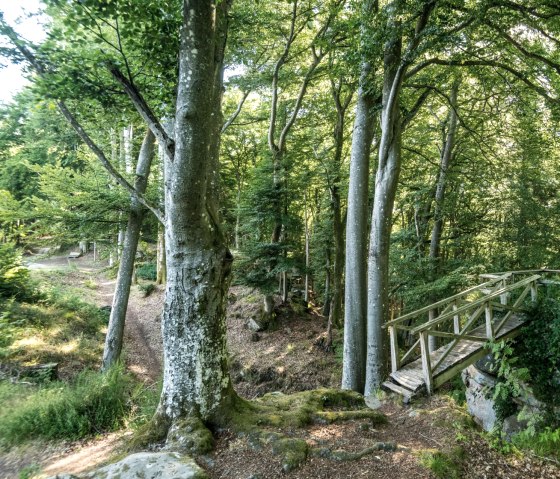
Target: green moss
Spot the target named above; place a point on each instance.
(328, 417)
(152, 432)
(293, 452)
(190, 435)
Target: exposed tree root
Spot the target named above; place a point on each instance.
(341, 455)
(255, 419)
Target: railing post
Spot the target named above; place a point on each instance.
(426, 361)
(489, 317)
(394, 349)
(456, 322)
(503, 297)
(432, 340)
(534, 293)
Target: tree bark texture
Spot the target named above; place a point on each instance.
(115, 332)
(196, 379)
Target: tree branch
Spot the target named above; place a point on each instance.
(236, 113)
(489, 63)
(41, 71)
(144, 110)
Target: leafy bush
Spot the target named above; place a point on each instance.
(532, 365)
(92, 403)
(14, 277)
(147, 288)
(147, 271)
(539, 352)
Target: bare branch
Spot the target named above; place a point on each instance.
(144, 110)
(236, 113)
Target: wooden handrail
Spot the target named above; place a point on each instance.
(478, 302)
(526, 271)
(442, 302)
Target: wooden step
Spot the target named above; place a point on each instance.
(395, 388)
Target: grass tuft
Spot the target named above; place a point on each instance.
(92, 403)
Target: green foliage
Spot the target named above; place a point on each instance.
(539, 352)
(458, 390)
(58, 326)
(29, 471)
(14, 277)
(147, 271)
(510, 383)
(544, 443)
(147, 288)
(92, 403)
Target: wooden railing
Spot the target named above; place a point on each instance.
(453, 318)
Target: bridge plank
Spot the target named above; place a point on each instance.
(465, 353)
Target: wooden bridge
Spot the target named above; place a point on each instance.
(445, 337)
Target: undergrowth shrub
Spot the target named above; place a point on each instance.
(146, 288)
(94, 402)
(147, 271)
(14, 277)
(532, 366)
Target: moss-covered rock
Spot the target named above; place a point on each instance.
(189, 435)
(293, 452)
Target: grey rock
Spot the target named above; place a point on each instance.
(146, 465)
(479, 403)
(254, 325)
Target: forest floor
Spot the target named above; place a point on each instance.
(430, 431)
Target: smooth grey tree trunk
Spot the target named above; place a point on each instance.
(355, 287)
(196, 378)
(444, 165)
(445, 161)
(386, 179)
(161, 273)
(355, 292)
(115, 331)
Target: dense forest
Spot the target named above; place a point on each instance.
(350, 161)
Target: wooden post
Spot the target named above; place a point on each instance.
(489, 316)
(432, 340)
(534, 293)
(426, 362)
(394, 349)
(503, 297)
(456, 322)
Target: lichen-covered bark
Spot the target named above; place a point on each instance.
(196, 378)
(115, 331)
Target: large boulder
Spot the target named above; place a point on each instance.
(479, 396)
(146, 465)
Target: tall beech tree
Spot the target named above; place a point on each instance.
(115, 332)
(196, 378)
(355, 290)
